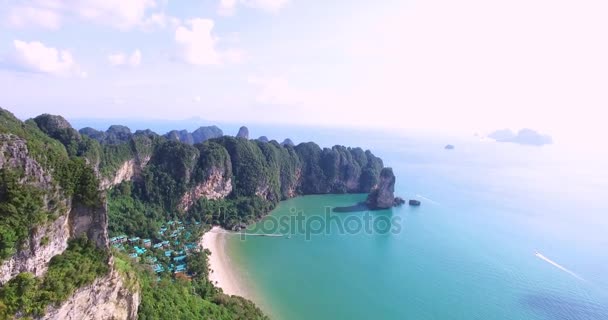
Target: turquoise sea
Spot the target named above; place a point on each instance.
(469, 252)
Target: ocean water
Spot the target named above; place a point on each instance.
(504, 232)
(469, 252)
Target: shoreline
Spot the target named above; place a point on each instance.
(221, 271)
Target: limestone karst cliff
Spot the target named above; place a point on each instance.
(49, 196)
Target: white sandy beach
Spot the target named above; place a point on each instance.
(222, 273)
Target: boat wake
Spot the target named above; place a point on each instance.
(557, 265)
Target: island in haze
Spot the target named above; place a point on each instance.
(124, 211)
(523, 136)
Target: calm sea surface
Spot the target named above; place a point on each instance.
(504, 232)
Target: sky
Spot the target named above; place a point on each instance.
(438, 65)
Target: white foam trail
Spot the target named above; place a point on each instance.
(555, 264)
(427, 199)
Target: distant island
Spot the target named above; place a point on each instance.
(449, 147)
(524, 137)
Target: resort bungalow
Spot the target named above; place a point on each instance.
(179, 258)
(168, 253)
(147, 243)
(118, 239)
(134, 240)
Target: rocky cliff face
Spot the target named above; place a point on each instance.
(129, 170)
(89, 221)
(383, 196)
(243, 133)
(44, 243)
(108, 298)
(216, 186)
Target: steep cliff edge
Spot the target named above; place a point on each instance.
(53, 223)
(383, 195)
(107, 298)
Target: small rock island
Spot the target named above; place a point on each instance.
(449, 147)
(383, 196)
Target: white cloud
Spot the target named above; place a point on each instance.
(36, 57)
(228, 7)
(24, 17)
(198, 46)
(159, 21)
(120, 14)
(121, 59)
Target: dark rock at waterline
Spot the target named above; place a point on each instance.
(398, 202)
(414, 203)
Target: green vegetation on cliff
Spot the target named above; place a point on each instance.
(224, 180)
(78, 266)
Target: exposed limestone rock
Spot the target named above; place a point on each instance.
(383, 196)
(215, 187)
(44, 243)
(109, 297)
(14, 154)
(127, 172)
(243, 133)
(92, 222)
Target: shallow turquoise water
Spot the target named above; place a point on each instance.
(467, 253)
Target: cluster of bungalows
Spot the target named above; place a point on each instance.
(168, 247)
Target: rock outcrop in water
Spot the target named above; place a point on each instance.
(383, 196)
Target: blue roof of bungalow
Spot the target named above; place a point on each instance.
(134, 239)
(179, 258)
(165, 242)
(147, 240)
(180, 268)
(158, 268)
(157, 245)
(168, 253)
(133, 255)
(140, 250)
(190, 246)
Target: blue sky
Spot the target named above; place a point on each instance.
(467, 65)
